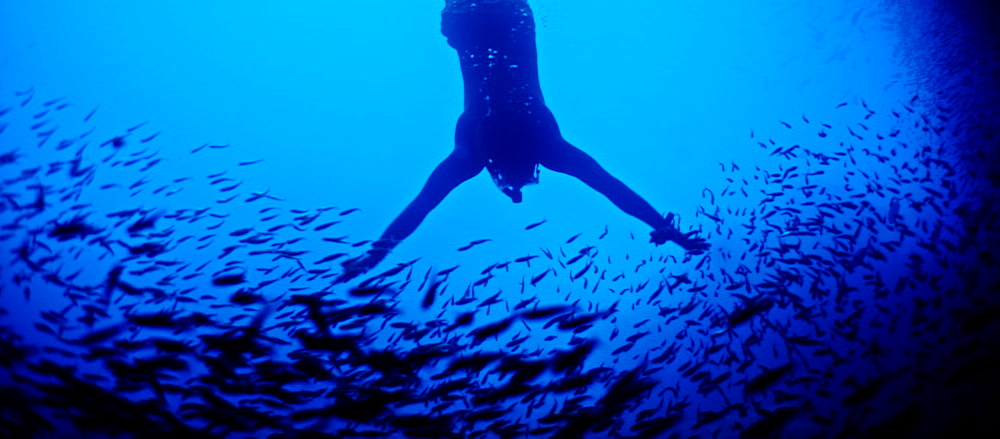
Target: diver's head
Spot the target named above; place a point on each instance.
(510, 179)
(512, 192)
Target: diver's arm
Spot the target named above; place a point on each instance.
(568, 159)
(458, 167)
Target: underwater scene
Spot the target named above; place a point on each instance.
(257, 219)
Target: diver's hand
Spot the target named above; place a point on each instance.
(692, 243)
(668, 232)
(361, 264)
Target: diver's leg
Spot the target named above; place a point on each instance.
(461, 165)
(458, 167)
(568, 159)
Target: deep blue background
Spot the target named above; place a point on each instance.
(352, 104)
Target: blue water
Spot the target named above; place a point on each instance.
(837, 157)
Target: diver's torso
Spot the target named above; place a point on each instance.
(495, 40)
(505, 123)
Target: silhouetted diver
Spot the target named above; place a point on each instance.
(506, 127)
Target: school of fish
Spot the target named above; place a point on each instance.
(848, 287)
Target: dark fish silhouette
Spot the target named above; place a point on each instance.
(473, 244)
(228, 280)
(533, 225)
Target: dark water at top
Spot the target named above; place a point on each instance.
(180, 185)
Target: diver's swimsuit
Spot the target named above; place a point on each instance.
(505, 123)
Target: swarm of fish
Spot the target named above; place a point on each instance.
(847, 285)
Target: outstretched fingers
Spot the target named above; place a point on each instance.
(690, 241)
